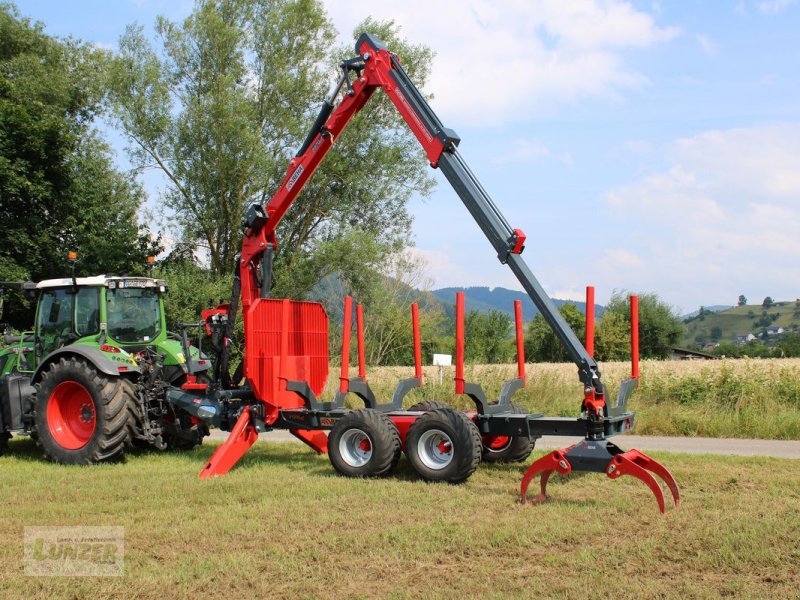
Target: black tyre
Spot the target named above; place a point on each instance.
(444, 445)
(507, 448)
(4, 437)
(183, 432)
(364, 443)
(81, 415)
(427, 405)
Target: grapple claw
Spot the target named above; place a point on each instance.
(621, 465)
(555, 461)
(601, 456)
(637, 464)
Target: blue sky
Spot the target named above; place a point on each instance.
(640, 145)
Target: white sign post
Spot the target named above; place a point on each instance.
(442, 361)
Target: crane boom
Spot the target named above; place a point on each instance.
(376, 67)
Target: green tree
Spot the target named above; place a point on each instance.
(789, 345)
(742, 300)
(59, 190)
(221, 107)
(660, 327)
(716, 333)
(542, 345)
(487, 338)
(768, 302)
(613, 338)
(192, 288)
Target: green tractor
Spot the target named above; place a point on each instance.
(91, 378)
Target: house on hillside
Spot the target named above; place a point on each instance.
(745, 338)
(774, 330)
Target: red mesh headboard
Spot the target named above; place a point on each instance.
(286, 340)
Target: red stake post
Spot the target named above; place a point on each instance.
(344, 375)
(635, 337)
(417, 342)
(459, 378)
(590, 320)
(520, 340)
(362, 363)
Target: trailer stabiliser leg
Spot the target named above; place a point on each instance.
(243, 435)
(601, 456)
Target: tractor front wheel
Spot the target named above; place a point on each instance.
(364, 443)
(81, 415)
(444, 445)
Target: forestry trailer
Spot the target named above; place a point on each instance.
(286, 342)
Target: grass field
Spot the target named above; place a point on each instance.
(282, 525)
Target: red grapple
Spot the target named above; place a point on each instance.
(601, 456)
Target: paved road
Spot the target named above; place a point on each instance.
(773, 448)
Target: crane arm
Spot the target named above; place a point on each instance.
(375, 67)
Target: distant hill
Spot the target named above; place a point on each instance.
(485, 299)
(726, 325)
(715, 308)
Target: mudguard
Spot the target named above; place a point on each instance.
(92, 355)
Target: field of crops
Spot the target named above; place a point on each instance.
(747, 398)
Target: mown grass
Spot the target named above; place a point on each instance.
(282, 525)
(747, 398)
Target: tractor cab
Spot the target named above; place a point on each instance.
(134, 310)
(113, 313)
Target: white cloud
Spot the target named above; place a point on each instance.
(439, 266)
(774, 7)
(724, 217)
(504, 62)
(569, 294)
(706, 43)
(523, 151)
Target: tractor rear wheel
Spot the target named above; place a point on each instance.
(364, 443)
(81, 415)
(444, 445)
(507, 448)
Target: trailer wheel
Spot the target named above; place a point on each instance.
(444, 445)
(507, 448)
(364, 443)
(81, 415)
